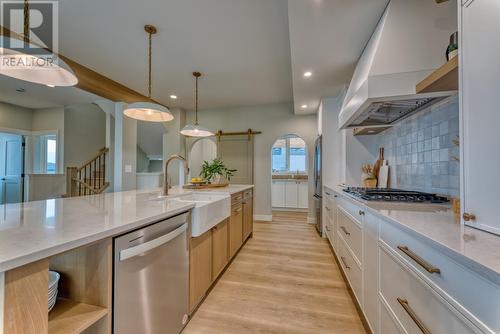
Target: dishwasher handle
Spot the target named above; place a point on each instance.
(147, 246)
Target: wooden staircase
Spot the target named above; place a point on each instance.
(89, 179)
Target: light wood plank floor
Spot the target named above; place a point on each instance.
(284, 280)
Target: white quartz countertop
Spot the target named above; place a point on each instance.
(439, 225)
(35, 230)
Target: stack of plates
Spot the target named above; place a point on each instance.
(53, 281)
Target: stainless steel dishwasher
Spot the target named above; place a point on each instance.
(151, 278)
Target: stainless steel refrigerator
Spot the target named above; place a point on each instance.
(318, 186)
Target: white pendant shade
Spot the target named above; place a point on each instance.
(34, 69)
(149, 112)
(191, 130)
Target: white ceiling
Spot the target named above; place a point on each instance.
(248, 50)
(39, 96)
(241, 46)
(327, 38)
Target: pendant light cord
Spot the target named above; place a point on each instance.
(26, 27)
(150, 57)
(196, 99)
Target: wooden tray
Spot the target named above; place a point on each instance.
(205, 186)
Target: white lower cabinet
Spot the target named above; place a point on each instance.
(278, 193)
(395, 292)
(290, 194)
(417, 307)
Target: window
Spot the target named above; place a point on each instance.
(289, 155)
(46, 154)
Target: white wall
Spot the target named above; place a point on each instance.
(274, 121)
(85, 133)
(15, 117)
(333, 148)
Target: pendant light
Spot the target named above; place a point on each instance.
(149, 111)
(27, 66)
(196, 130)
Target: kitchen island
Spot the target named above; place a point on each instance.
(73, 235)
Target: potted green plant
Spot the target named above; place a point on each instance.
(216, 172)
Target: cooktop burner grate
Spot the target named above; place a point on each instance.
(394, 195)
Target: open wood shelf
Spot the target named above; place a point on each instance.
(443, 79)
(70, 317)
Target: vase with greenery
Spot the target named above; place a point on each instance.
(215, 171)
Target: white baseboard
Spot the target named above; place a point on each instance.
(263, 218)
(311, 220)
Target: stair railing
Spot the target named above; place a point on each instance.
(90, 178)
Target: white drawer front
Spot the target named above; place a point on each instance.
(351, 232)
(351, 270)
(387, 323)
(400, 287)
(467, 288)
(354, 210)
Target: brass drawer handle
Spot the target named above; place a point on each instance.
(468, 216)
(345, 263)
(424, 264)
(345, 231)
(328, 209)
(406, 306)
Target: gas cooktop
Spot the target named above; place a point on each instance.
(394, 195)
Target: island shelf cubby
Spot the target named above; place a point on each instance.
(85, 293)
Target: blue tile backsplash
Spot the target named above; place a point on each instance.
(420, 150)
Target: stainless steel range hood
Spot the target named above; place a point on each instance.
(407, 45)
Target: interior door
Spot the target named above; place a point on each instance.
(11, 168)
(237, 153)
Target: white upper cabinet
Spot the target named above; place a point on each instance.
(480, 87)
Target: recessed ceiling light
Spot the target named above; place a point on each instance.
(371, 131)
(304, 106)
(173, 97)
(51, 86)
(308, 74)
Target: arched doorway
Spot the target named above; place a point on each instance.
(289, 175)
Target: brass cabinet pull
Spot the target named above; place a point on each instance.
(406, 306)
(326, 192)
(424, 264)
(468, 216)
(345, 230)
(345, 263)
(328, 209)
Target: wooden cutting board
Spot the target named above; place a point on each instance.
(383, 175)
(378, 163)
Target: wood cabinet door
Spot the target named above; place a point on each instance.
(278, 194)
(235, 229)
(247, 217)
(302, 194)
(220, 248)
(291, 194)
(480, 79)
(200, 268)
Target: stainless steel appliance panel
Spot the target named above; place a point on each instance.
(151, 278)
